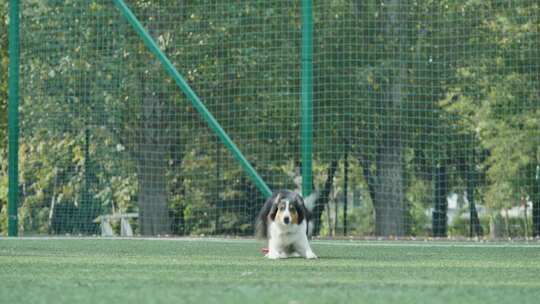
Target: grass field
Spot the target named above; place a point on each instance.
(221, 271)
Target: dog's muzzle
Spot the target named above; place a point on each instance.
(286, 220)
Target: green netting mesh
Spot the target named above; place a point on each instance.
(426, 116)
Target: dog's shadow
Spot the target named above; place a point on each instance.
(324, 257)
(336, 257)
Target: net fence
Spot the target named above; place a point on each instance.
(426, 116)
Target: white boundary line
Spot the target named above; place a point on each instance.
(446, 244)
(353, 243)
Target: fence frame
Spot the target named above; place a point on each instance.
(13, 118)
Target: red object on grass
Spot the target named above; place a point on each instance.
(264, 250)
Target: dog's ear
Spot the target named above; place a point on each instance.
(268, 212)
(273, 210)
(278, 197)
(300, 208)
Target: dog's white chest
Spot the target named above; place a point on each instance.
(287, 235)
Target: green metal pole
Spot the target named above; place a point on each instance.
(345, 189)
(307, 97)
(13, 118)
(195, 101)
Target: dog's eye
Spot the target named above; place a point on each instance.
(292, 209)
(281, 208)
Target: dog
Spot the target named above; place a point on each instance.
(284, 222)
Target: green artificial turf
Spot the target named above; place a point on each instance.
(221, 271)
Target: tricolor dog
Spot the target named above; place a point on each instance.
(284, 221)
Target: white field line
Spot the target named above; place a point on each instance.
(428, 244)
(354, 243)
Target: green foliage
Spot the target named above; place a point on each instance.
(495, 98)
(420, 198)
(514, 227)
(442, 86)
(460, 226)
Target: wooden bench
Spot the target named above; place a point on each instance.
(106, 220)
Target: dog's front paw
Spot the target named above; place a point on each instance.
(311, 255)
(295, 255)
(273, 255)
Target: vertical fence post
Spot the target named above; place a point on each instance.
(13, 118)
(536, 203)
(306, 140)
(470, 198)
(345, 189)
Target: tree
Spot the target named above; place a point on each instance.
(397, 87)
(496, 98)
(105, 82)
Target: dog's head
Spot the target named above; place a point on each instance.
(287, 208)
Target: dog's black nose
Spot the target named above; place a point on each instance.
(286, 220)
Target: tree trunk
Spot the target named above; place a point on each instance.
(89, 208)
(475, 227)
(152, 159)
(389, 196)
(536, 217)
(535, 197)
(153, 208)
(439, 219)
(322, 202)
